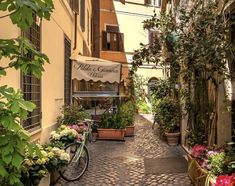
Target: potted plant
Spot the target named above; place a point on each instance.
(127, 112)
(111, 127)
(167, 113)
(71, 114)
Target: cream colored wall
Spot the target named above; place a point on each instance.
(52, 44)
(8, 31)
(130, 18)
(148, 73)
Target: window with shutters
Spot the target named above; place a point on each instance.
(82, 15)
(74, 5)
(153, 2)
(112, 39)
(31, 86)
(67, 71)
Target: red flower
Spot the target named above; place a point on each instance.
(224, 180)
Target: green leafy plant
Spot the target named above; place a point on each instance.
(36, 167)
(168, 115)
(14, 140)
(143, 107)
(127, 112)
(112, 121)
(217, 163)
(72, 114)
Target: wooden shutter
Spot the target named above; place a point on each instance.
(104, 40)
(120, 42)
(82, 15)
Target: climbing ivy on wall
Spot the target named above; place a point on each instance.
(195, 45)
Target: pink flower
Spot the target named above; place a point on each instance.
(198, 151)
(75, 127)
(224, 180)
(79, 137)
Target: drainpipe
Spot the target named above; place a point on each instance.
(75, 30)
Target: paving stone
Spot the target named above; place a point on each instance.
(122, 163)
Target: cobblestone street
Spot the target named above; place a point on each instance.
(124, 163)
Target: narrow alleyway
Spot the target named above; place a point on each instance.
(135, 161)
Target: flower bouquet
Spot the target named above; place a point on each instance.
(65, 135)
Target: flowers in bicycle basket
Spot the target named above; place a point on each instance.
(65, 134)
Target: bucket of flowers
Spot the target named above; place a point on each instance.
(41, 163)
(212, 166)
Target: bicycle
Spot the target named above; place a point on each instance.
(79, 156)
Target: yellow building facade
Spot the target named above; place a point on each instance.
(67, 32)
(130, 16)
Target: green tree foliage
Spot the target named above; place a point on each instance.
(196, 47)
(14, 140)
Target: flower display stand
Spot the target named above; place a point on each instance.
(197, 174)
(111, 134)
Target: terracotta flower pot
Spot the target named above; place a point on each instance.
(172, 138)
(130, 131)
(111, 134)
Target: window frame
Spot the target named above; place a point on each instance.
(66, 102)
(153, 3)
(37, 42)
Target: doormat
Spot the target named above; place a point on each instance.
(165, 165)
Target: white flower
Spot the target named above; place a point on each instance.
(56, 136)
(65, 156)
(55, 150)
(44, 153)
(63, 126)
(53, 133)
(28, 162)
(51, 154)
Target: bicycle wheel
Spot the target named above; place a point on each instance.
(75, 169)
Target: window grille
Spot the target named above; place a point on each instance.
(67, 71)
(31, 86)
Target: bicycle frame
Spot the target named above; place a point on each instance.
(85, 136)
